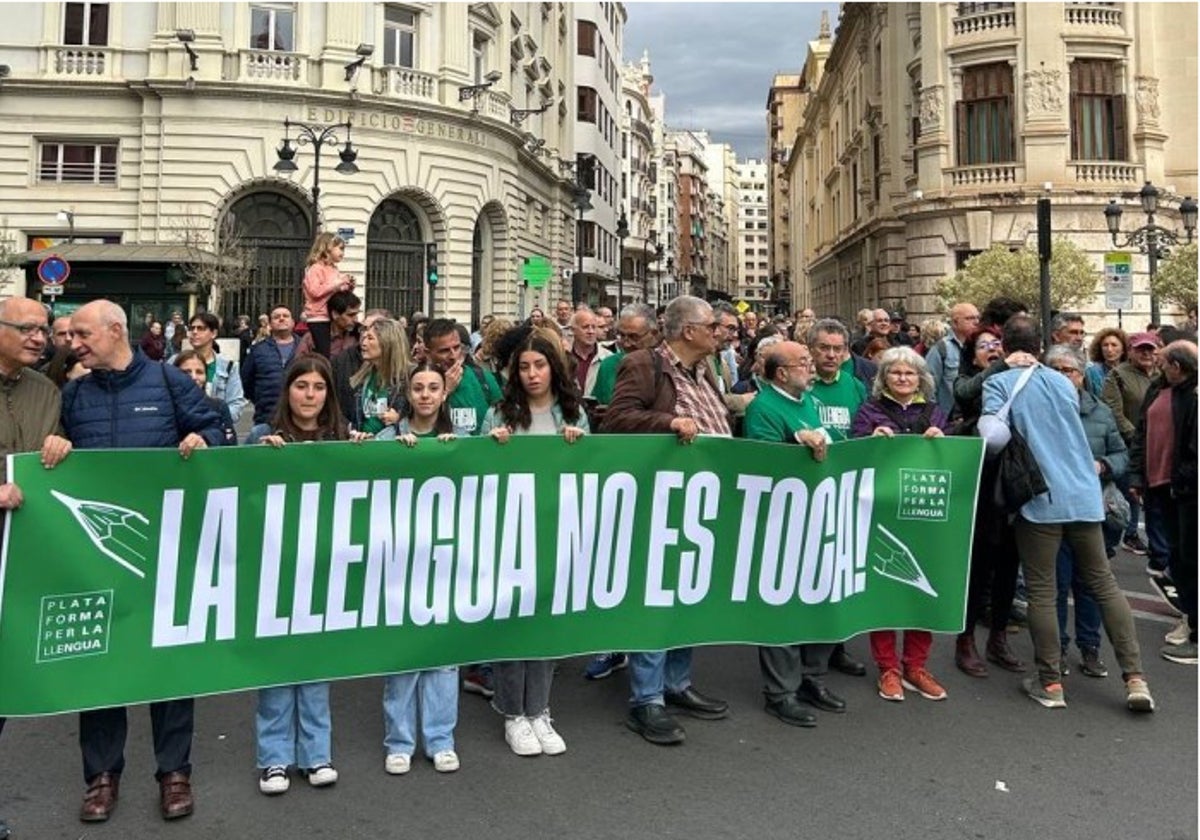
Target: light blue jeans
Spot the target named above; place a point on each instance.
(652, 673)
(293, 726)
(435, 693)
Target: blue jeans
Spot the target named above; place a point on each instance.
(652, 673)
(435, 692)
(1087, 611)
(293, 726)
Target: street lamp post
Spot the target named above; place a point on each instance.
(582, 197)
(318, 136)
(1151, 239)
(622, 234)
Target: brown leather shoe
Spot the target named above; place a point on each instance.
(176, 790)
(967, 658)
(999, 653)
(101, 798)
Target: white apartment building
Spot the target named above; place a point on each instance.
(666, 188)
(643, 249)
(753, 235)
(137, 130)
(597, 147)
(721, 161)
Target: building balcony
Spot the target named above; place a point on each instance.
(80, 62)
(988, 175)
(1105, 172)
(989, 21)
(492, 103)
(1100, 15)
(403, 83)
(274, 66)
(639, 127)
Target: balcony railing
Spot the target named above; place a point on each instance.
(990, 22)
(1093, 14)
(993, 174)
(492, 104)
(1106, 172)
(88, 62)
(274, 66)
(411, 84)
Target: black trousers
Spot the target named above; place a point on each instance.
(994, 561)
(1179, 517)
(322, 334)
(102, 738)
(783, 668)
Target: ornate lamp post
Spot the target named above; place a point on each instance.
(622, 235)
(1151, 239)
(318, 136)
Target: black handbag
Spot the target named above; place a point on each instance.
(1019, 479)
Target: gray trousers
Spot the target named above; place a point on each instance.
(523, 686)
(1037, 545)
(783, 668)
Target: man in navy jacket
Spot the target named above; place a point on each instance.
(129, 401)
(262, 374)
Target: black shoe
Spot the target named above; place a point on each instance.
(839, 660)
(655, 725)
(814, 693)
(692, 702)
(3, 830)
(789, 710)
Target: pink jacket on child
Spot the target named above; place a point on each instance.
(320, 281)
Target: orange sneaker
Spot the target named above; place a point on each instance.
(890, 685)
(922, 682)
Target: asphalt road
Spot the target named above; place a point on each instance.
(986, 763)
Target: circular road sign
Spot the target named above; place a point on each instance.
(53, 270)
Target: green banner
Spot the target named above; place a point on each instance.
(133, 575)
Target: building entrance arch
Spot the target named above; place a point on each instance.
(395, 259)
(275, 229)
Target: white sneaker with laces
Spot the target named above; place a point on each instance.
(322, 775)
(445, 761)
(397, 764)
(552, 743)
(520, 736)
(274, 780)
(1179, 633)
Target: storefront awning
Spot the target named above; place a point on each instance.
(90, 252)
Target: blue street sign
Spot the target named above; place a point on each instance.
(53, 270)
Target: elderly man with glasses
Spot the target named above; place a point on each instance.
(670, 389)
(33, 404)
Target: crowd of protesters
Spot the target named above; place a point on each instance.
(1109, 423)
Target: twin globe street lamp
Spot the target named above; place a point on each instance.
(1151, 239)
(318, 136)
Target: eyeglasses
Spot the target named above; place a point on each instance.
(829, 348)
(804, 365)
(1066, 369)
(902, 374)
(27, 330)
(987, 345)
(711, 326)
(632, 336)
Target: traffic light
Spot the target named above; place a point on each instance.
(431, 264)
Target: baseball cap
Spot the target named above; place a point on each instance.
(895, 316)
(1144, 339)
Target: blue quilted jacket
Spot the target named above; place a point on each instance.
(147, 405)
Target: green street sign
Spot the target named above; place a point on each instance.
(536, 271)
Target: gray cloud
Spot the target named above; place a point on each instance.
(715, 61)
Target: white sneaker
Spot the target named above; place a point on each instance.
(397, 764)
(1179, 633)
(322, 775)
(274, 780)
(552, 743)
(445, 761)
(520, 736)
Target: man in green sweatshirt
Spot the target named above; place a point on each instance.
(839, 391)
(785, 411)
(472, 389)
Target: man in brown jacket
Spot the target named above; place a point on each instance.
(31, 403)
(670, 389)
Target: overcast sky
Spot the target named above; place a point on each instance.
(715, 61)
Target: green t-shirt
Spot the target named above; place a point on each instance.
(469, 403)
(606, 377)
(775, 416)
(839, 401)
(374, 404)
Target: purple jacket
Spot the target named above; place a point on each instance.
(871, 415)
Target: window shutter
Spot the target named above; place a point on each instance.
(1076, 127)
(962, 138)
(1120, 147)
(1007, 131)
